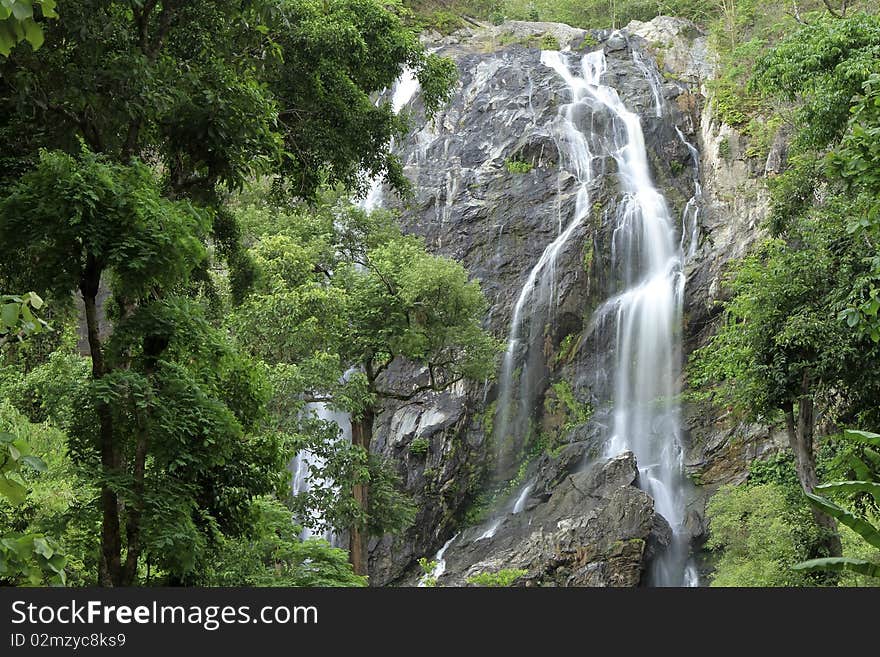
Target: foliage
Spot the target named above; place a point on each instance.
(823, 66)
(167, 422)
(25, 556)
(419, 446)
(859, 523)
(755, 531)
(781, 322)
(18, 22)
(427, 570)
(271, 553)
(17, 317)
(220, 91)
(74, 213)
(517, 166)
(341, 295)
(503, 577)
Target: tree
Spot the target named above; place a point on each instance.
(785, 345)
(219, 91)
(782, 347)
(357, 299)
(170, 401)
(272, 554)
(122, 139)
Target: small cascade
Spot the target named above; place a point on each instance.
(690, 216)
(490, 532)
(402, 93)
(439, 565)
(653, 80)
(521, 500)
(523, 366)
(302, 481)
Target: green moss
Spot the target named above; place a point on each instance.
(589, 42)
(761, 134)
(570, 342)
(588, 257)
(549, 42)
(577, 412)
(441, 20)
(724, 148)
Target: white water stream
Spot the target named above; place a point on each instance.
(648, 308)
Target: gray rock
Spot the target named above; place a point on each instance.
(585, 523)
(616, 41)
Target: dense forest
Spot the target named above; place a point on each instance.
(224, 292)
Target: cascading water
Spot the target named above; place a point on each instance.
(302, 463)
(690, 216)
(646, 313)
(439, 564)
(522, 366)
(404, 89)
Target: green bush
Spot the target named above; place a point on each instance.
(517, 166)
(504, 577)
(757, 536)
(419, 446)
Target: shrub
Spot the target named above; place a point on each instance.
(517, 166)
(419, 446)
(504, 577)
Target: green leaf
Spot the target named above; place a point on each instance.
(42, 547)
(34, 299)
(48, 8)
(22, 10)
(6, 437)
(9, 314)
(12, 490)
(864, 529)
(33, 33)
(838, 564)
(864, 437)
(868, 487)
(863, 472)
(34, 463)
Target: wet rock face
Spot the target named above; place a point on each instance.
(491, 192)
(594, 530)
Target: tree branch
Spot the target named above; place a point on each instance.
(432, 387)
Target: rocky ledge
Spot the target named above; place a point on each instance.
(596, 528)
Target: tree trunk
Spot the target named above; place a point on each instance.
(361, 435)
(110, 566)
(133, 521)
(800, 438)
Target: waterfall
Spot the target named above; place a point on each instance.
(647, 311)
(402, 93)
(439, 565)
(690, 216)
(522, 366)
(302, 463)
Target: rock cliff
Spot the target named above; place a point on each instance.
(490, 191)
